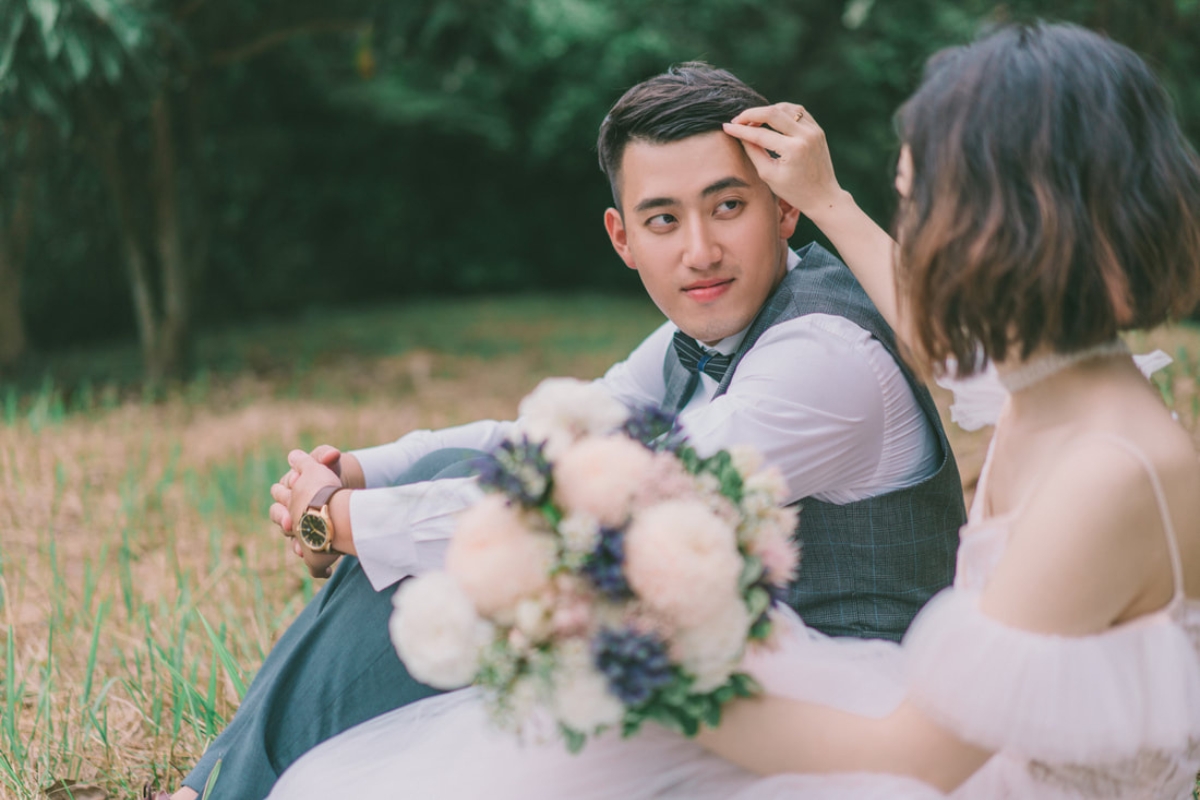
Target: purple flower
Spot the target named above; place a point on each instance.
(605, 566)
(635, 664)
(518, 469)
(654, 427)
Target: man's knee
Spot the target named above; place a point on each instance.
(450, 462)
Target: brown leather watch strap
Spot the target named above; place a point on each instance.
(322, 496)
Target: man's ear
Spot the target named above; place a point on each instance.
(788, 218)
(615, 225)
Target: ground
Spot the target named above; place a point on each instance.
(140, 581)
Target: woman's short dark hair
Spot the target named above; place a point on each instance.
(1055, 200)
(686, 100)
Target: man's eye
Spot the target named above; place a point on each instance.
(729, 205)
(660, 221)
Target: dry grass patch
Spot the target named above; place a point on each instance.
(140, 583)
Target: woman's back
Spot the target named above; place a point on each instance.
(1054, 454)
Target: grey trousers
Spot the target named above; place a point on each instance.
(333, 668)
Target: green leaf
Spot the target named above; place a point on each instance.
(211, 783)
(752, 570)
(45, 12)
(78, 55)
(110, 61)
(757, 601)
(226, 658)
(575, 740)
(761, 628)
(15, 25)
(712, 715)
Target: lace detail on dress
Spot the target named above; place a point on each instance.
(1158, 772)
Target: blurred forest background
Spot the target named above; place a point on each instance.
(170, 166)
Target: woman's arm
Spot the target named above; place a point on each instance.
(772, 735)
(1082, 553)
(802, 174)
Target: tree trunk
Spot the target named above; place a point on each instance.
(175, 339)
(136, 265)
(12, 330)
(14, 244)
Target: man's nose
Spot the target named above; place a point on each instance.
(701, 249)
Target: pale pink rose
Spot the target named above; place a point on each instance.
(682, 560)
(497, 559)
(666, 479)
(561, 410)
(712, 650)
(599, 476)
(775, 546)
(571, 619)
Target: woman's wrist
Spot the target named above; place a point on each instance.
(833, 210)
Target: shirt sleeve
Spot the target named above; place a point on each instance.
(404, 530)
(807, 397)
(383, 464)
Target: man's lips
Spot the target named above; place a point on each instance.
(705, 291)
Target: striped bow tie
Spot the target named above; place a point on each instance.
(696, 359)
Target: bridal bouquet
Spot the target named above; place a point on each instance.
(611, 575)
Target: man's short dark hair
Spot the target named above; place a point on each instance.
(686, 100)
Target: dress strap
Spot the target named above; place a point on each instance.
(1163, 510)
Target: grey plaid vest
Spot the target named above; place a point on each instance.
(867, 567)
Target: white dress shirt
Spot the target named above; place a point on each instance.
(817, 395)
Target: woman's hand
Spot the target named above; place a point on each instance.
(791, 155)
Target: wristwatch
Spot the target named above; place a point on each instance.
(316, 526)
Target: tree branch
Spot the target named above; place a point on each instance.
(260, 45)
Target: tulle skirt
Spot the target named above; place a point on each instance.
(444, 747)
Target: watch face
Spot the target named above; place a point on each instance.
(313, 531)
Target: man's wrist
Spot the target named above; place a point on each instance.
(339, 513)
(352, 476)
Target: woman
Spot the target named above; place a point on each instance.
(1049, 201)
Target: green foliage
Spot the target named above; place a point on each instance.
(55, 52)
(677, 708)
(390, 149)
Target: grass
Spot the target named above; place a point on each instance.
(140, 582)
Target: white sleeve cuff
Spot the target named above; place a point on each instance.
(404, 530)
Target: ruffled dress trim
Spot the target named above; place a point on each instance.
(1054, 698)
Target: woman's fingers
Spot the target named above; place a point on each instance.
(783, 117)
(763, 138)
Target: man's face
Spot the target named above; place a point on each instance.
(706, 235)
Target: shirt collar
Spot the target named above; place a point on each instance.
(730, 344)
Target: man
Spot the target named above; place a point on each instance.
(765, 346)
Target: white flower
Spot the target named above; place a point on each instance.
(580, 532)
(682, 560)
(561, 410)
(582, 700)
(436, 631)
(746, 459)
(711, 651)
(533, 619)
(599, 476)
(769, 482)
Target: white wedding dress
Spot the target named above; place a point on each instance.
(1115, 715)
